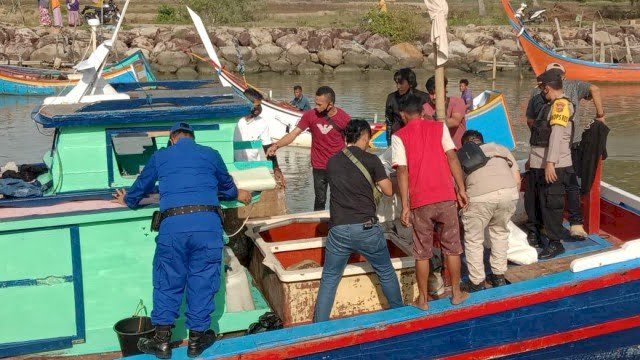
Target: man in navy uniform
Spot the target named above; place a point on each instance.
(191, 178)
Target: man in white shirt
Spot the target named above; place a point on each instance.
(254, 127)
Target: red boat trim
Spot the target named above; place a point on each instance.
(441, 319)
(550, 340)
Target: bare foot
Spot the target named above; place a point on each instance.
(459, 299)
(421, 303)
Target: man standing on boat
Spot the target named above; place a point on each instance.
(575, 90)
(493, 190)
(254, 127)
(299, 100)
(326, 123)
(355, 176)
(191, 178)
(456, 110)
(406, 85)
(427, 165)
(550, 164)
(465, 94)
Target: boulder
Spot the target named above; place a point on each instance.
(47, 40)
(483, 53)
(297, 54)
(25, 35)
(458, 48)
(376, 41)
(133, 50)
(259, 36)
(346, 45)
(164, 35)
(346, 35)
(244, 39)
(362, 37)
(252, 66)
(356, 59)
(288, 41)
(205, 69)
(507, 45)
(178, 44)
(222, 38)
(229, 53)
(149, 31)
(199, 50)
(603, 37)
(280, 66)
(177, 59)
(160, 47)
(475, 39)
(304, 33)
(380, 59)
(267, 53)
(331, 57)
(309, 68)
(187, 73)
(164, 69)
(48, 53)
(17, 51)
(326, 69)
(186, 34)
(277, 33)
(347, 69)
(142, 42)
(318, 43)
(407, 55)
(545, 38)
(314, 58)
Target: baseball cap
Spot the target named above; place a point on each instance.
(555, 65)
(549, 77)
(181, 126)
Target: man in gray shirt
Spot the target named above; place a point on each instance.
(550, 164)
(575, 90)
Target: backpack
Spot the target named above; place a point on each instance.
(471, 157)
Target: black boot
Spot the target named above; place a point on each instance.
(497, 280)
(554, 249)
(199, 341)
(158, 345)
(469, 286)
(534, 239)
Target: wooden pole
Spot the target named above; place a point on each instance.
(494, 72)
(559, 34)
(593, 40)
(441, 111)
(602, 53)
(626, 43)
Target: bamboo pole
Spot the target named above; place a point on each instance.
(626, 43)
(441, 111)
(602, 53)
(593, 40)
(559, 34)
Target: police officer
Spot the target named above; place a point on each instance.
(188, 253)
(550, 164)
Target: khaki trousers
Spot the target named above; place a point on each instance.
(494, 217)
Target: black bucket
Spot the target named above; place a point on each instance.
(130, 330)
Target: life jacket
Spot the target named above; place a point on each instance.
(541, 129)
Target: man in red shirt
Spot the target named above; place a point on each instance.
(427, 165)
(456, 110)
(326, 123)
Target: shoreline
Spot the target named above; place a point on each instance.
(309, 51)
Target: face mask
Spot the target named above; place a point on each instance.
(257, 110)
(325, 112)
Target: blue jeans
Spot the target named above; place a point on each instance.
(344, 240)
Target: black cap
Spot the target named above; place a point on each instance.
(550, 77)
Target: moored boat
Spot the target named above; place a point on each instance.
(576, 69)
(16, 80)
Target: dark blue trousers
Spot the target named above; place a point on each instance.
(191, 261)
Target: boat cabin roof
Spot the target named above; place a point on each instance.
(151, 102)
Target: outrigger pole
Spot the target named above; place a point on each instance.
(438, 10)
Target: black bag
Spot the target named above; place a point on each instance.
(471, 157)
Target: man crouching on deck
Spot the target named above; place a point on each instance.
(425, 158)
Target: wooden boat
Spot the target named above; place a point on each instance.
(576, 69)
(73, 263)
(490, 117)
(16, 80)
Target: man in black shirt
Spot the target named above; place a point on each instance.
(406, 84)
(354, 225)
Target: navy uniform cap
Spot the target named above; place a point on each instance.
(181, 126)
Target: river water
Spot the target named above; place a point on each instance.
(365, 95)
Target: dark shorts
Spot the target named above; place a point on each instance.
(424, 220)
